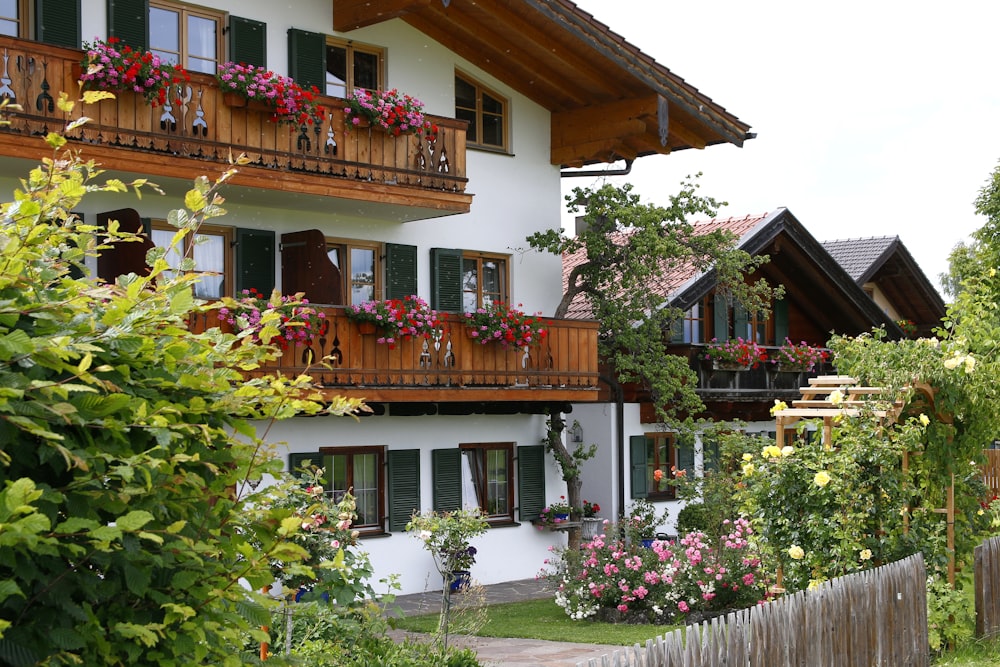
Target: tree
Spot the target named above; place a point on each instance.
(630, 249)
(124, 437)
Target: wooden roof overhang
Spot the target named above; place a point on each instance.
(812, 279)
(904, 284)
(609, 101)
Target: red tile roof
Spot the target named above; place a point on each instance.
(676, 276)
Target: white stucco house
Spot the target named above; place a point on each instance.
(518, 91)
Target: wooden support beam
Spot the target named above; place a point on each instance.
(353, 14)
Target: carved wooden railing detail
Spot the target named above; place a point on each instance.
(197, 123)
(565, 362)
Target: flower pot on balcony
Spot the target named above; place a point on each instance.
(728, 366)
(237, 101)
(366, 328)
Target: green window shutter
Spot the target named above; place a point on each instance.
(296, 460)
(446, 280)
(307, 58)
(740, 322)
(254, 260)
(400, 270)
(404, 486)
(530, 481)
(677, 331)
(247, 41)
(720, 318)
(685, 457)
(780, 322)
(58, 22)
(637, 458)
(447, 471)
(128, 20)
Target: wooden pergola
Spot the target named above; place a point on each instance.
(820, 402)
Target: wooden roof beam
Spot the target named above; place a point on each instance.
(353, 14)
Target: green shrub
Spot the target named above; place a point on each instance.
(694, 518)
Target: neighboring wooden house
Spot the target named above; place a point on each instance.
(845, 287)
(518, 90)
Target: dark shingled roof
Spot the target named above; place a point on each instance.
(861, 257)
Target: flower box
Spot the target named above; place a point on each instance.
(237, 101)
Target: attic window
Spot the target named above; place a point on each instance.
(486, 112)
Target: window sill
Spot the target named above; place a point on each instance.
(489, 149)
(504, 524)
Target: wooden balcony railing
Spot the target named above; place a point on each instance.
(364, 164)
(452, 368)
(764, 381)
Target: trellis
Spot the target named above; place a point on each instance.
(816, 403)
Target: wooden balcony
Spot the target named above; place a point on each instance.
(406, 177)
(452, 369)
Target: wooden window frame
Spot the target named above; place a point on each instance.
(668, 491)
(381, 482)
(479, 258)
(346, 245)
(702, 318)
(184, 11)
(352, 47)
(508, 448)
(23, 20)
(479, 113)
(228, 235)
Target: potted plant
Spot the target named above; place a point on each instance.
(280, 320)
(108, 67)
(591, 522)
(396, 319)
(554, 515)
(507, 326)
(797, 358)
(734, 354)
(391, 111)
(287, 101)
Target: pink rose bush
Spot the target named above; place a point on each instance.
(665, 582)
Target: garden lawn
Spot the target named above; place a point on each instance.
(543, 619)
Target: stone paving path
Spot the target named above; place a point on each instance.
(499, 651)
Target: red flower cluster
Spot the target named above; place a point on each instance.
(108, 68)
(498, 322)
(292, 103)
(736, 351)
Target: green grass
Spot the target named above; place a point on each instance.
(543, 619)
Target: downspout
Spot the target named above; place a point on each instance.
(598, 172)
(619, 398)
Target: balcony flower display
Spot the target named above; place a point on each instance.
(397, 319)
(296, 322)
(735, 352)
(108, 67)
(288, 101)
(800, 357)
(392, 111)
(509, 327)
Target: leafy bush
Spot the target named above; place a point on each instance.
(695, 517)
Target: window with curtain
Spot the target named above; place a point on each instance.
(360, 268)
(211, 250)
(360, 471)
(665, 455)
(484, 280)
(489, 478)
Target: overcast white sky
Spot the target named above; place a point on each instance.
(873, 118)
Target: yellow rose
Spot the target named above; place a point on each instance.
(778, 407)
(787, 450)
(924, 420)
(748, 469)
(748, 457)
(796, 552)
(866, 554)
(814, 584)
(771, 452)
(836, 397)
(953, 361)
(822, 478)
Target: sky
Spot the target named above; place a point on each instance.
(873, 118)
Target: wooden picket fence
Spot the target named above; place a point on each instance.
(987, 570)
(875, 617)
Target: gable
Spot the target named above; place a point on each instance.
(609, 101)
